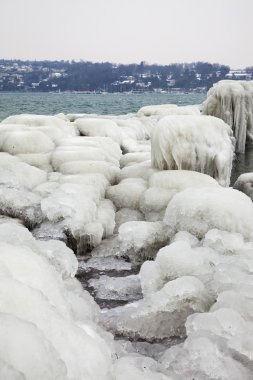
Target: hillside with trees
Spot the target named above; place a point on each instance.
(44, 76)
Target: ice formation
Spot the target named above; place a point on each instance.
(171, 250)
(232, 101)
(200, 143)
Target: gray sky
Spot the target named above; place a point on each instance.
(156, 31)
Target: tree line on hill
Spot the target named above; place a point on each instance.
(17, 75)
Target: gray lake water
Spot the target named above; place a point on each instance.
(105, 104)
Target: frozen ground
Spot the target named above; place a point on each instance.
(164, 256)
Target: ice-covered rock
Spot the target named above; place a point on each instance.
(168, 109)
(99, 127)
(70, 204)
(18, 174)
(172, 262)
(203, 144)
(200, 210)
(244, 183)
(17, 334)
(127, 193)
(163, 185)
(141, 170)
(35, 120)
(43, 311)
(142, 237)
(134, 128)
(132, 146)
(203, 356)
(127, 215)
(232, 101)
(134, 158)
(109, 170)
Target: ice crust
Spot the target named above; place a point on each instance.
(88, 181)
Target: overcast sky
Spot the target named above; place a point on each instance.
(124, 31)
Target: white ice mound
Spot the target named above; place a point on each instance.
(232, 101)
(163, 185)
(86, 149)
(173, 261)
(99, 127)
(140, 170)
(48, 323)
(35, 120)
(15, 173)
(134, 158)
(127, 193)
(75, 203)
(109, 170)
(199, 210)
(33, 137)
(168, 109)
(142, 236)
(134, 128)
(127, 215)
(19, 342)
(200, 143)
(27, 142)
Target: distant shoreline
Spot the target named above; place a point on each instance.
(107, 93)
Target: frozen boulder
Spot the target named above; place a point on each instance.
(142, 237)
(168, 109)
(126, 215)
(46, 364)
(127, 193)
(200, 210)
(163, 185)
(99, 127)
(35, 120)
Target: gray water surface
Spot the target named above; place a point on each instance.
(103, 104)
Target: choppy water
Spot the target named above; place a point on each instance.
(115, 104)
